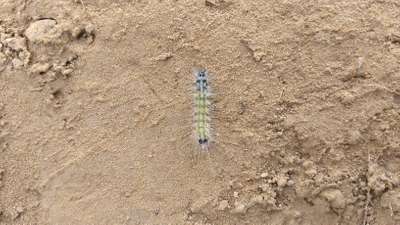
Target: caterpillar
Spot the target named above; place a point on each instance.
(201, 108)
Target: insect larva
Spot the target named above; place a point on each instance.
(201, 99)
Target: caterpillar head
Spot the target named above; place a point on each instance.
(200, 73)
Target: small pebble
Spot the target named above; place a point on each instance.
(77, 32)
(311, 172)
(90, 29)
(67, 72)
(258, 199)
(19, 209)
(211, 2)
(40, 68)
(354, 137)
(240, 208)
(290, 183)
(163, 57)
(3, 123)
(3, 59)
(282, 180)
(264, 187)
(17, 63)
(308, 164)
(264, 175)
(224, 204)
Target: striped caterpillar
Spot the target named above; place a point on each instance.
(201, 100)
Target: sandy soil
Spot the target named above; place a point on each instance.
(96, 112)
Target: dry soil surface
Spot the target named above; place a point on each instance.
(96, 112)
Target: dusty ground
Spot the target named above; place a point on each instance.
(96, 112)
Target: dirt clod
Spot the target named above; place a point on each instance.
(41, 31)
(391, 201)
(16, 43)
(335, 198)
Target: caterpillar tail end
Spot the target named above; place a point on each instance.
(204, 144)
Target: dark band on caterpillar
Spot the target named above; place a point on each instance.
(203, 141)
